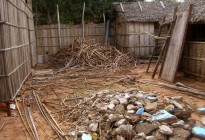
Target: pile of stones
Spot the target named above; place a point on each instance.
(137, 115)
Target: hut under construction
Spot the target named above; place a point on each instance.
(17, 46)
(194, 50)
(135, 21)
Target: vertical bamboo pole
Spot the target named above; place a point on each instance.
(83, 22)
(59, 27)
(29, 39)
(104, 20)
(107, 31)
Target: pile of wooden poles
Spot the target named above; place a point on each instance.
(88, 53)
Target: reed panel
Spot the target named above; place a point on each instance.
(194, 60)
(48, 38)
(133, 37)
(17, 46)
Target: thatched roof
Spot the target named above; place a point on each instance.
(198, 12)
(151, 11)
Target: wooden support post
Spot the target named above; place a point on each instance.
(83, 22)
(107, 31)
(29, 38)
(59, 28)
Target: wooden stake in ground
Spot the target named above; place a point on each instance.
(83, 22)
(59, 28)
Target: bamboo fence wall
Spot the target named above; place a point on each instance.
(132, 37)
(17, 46)
(194, 60)
(48, 38)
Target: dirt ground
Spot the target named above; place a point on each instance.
(79, 83)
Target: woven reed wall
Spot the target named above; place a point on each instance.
(16, 38)
(32, 34)
(132, 37)
(48, 38)
(194, 60)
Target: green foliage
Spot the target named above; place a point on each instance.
(71, 10)
(167, 0)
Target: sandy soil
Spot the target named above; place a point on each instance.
(80, 84)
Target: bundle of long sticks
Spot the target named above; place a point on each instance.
(88, 53)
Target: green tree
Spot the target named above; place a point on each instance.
(167, 0)
(71, 10)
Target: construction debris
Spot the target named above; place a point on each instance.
(199, 132)
(180, 87)
(201, 110)
(88, 53)
(124, 115)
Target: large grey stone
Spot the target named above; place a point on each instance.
(180, 134)
(146, 128)
(120, 109)
(114, 101)
(159, 136)
(127, 95)
(111, 106)
(123, 101)
(93, 127)
(126, 131)
(131, 107)
(182, 113)
(150, 138)
(151, 107)
(114, 117)
(120, 138)
(142, 135)
(178, 124)
(131, 112)
(103, 108)
(121, 122)
(133, 118)
(140, 96)
(138, 104)
(145, 114)
(165, 130)
(177, 98)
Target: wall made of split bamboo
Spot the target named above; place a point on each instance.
(194, 60)
(132, 37)
(17, 46)
(48, 37)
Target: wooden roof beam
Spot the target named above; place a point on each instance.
(161, 2)
(140, 6)
(122, 7)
